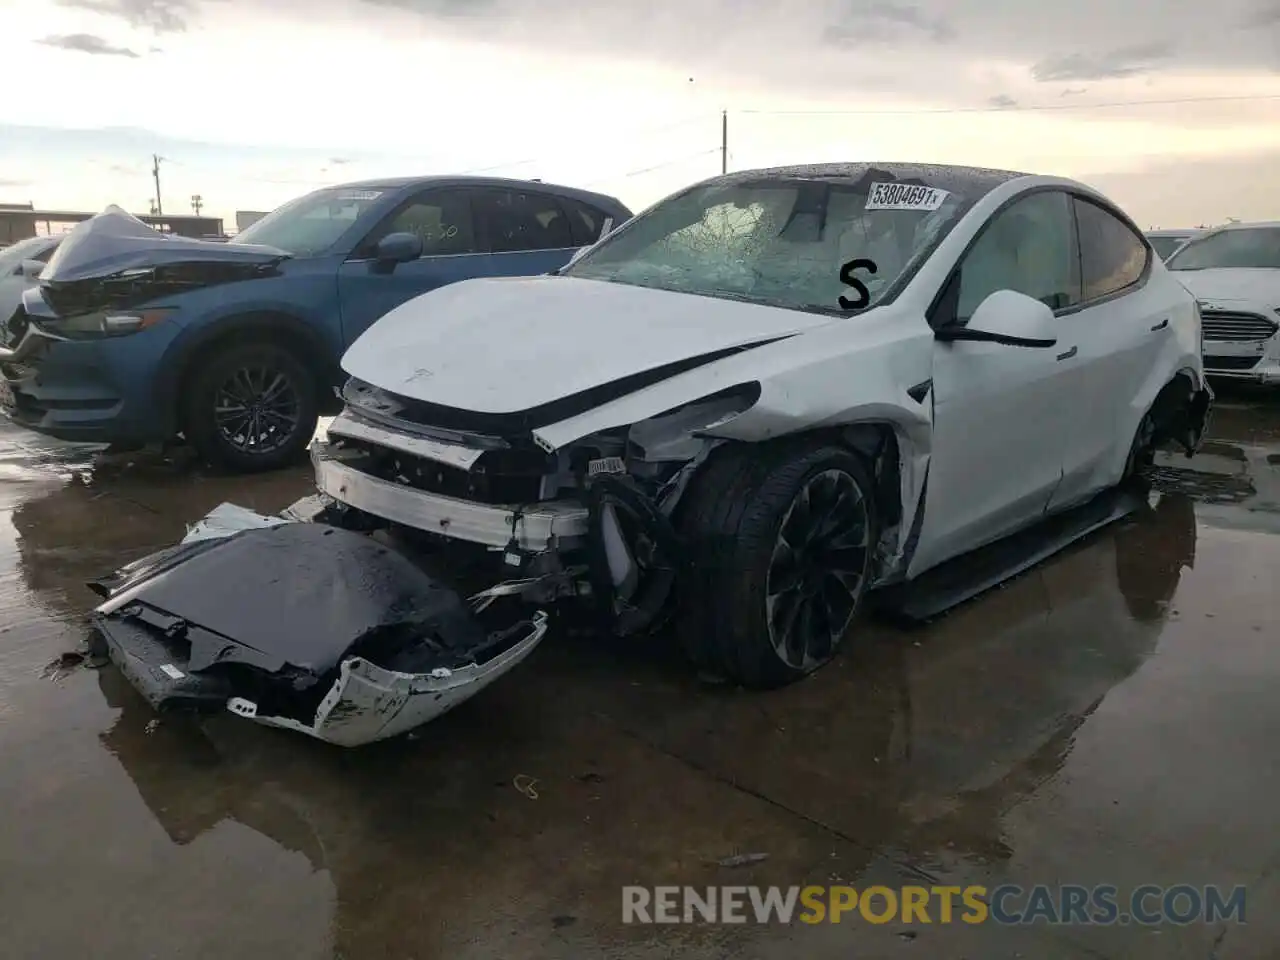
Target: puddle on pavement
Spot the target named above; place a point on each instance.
(1018, 733)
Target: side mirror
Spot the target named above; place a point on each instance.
(1007, 317)
(31, 269)
(398, 248)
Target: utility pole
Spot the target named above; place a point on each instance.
(155, 173)
(724, 141)
(196, 202)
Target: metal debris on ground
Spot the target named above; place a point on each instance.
(525, 784)
(743, 859)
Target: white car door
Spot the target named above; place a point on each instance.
(1120, 328)
(1001, 412)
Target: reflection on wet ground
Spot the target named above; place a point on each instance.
(1106, 718)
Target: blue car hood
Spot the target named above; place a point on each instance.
(114, 242)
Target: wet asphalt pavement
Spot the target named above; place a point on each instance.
(1108, 718)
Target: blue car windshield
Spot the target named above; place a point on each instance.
(779, 241)
(311, 224)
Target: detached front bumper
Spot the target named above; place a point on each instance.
(168, 623)
(368, 702)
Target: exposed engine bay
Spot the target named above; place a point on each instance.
(596, 520)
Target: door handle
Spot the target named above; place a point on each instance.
(1161, 325)
(1069, 354)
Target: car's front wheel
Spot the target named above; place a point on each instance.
(783, 541)
(251, 407)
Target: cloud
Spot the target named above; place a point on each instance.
(158, 16)
(753, 54)
(1002, 100)
(87, 43)
(338, 161)
(1120, 62)
(1191, 191)
(4, 182)
(940, 50)
(884, 21)
(1264, 15)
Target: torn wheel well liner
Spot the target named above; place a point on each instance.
(620, 499)
(1177, 408)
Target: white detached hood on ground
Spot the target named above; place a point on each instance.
(510, 344)
(1233, 283)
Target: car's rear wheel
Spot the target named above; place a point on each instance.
(251, 407)
(783, 543)
(1142, 452)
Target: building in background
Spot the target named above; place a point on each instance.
(19, 221)
(247, 218)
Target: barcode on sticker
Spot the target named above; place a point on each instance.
(904, 196)
(606, 465)
(171, 671)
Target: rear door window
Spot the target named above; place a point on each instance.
(1112, 255)
(586, 222)
(516, 220)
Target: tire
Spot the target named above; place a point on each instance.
(732, 519)
(1142, 451)
(235, 372)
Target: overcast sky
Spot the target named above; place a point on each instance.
(1171, 106)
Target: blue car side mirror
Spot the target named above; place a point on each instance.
(399, 248)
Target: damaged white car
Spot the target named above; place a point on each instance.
(776, 391)
(747, 409)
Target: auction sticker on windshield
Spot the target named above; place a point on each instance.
(904, 196)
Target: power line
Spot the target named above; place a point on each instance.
(1014, 108)
(644, 131)
(657, 166)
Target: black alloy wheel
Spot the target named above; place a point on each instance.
(818, 569)
(252, 407)
(257, 409)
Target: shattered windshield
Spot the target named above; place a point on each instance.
(1257, 247)
(312, 224)
(798, 243)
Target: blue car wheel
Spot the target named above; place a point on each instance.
(252, 407)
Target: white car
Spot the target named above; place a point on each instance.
(1234, 272)
(771, 393)
(20, 265)
(1166, 242)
